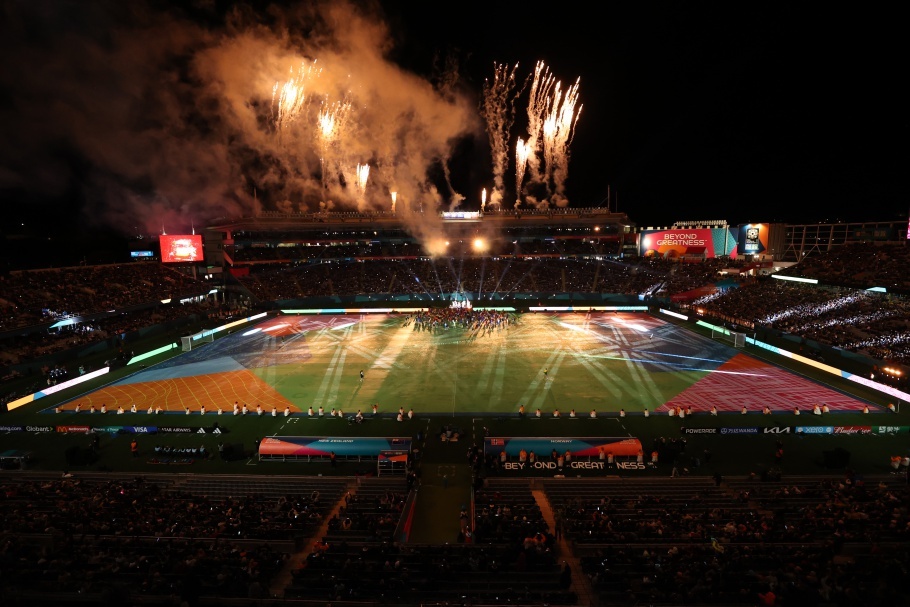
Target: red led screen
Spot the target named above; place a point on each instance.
(180, 248)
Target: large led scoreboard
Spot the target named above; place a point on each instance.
(731, 241)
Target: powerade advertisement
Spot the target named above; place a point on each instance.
(692, 243)
(316, 446)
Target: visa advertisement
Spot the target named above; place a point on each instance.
(691, 242)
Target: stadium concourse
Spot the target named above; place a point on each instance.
(740, 508)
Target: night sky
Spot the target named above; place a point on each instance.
(135, 116)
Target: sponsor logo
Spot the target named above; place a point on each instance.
(853, 429)
(554, 466)
(741, 430)
(630, 466)
(778, 430)
(685, 240)
(79, 429)
(702, 430)
(11, 428)
(878, 429)
(176, 429)
(39, 428)
(815, 429)
(497, 442)
(142, 429)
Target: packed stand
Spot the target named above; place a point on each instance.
(483, 275)
(43, 296)
(873, 324)
(821, 542)
(84, 536)
(858, 266)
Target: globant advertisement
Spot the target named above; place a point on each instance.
(693, 243)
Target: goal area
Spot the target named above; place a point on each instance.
(190, 342)
(734, 338)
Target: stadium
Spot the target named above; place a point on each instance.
(309, 304)
(552, 407)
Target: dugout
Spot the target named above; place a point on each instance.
(14, 459)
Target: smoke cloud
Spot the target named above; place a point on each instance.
(171, 114)
(165, 117)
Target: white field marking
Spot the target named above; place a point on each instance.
(326, 379)
(392, 350)
(382, 362)
(538, 378)
(539, 401)
(609, 380)
(499, 378)
(644, 383)
(483, 377)
(336, 380)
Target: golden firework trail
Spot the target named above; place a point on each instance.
(363, 174)
(522, 152)
(538, 106)
(289, 98)
(498, 110)
(331, 121)
(394, 198)
(559, 129)
(483, 199)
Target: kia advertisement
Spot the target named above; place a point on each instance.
(176, 249)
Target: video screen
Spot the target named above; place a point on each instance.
(141, 254)
(180, 248)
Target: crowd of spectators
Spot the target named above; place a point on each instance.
(483, 275)
(358, 559)
(858, 266)
(70, 535)
(481, 321)
(29, 346)
(270, 251)
(831, 541)
(870, 323)
(42, 296)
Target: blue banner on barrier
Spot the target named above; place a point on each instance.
(321, 446)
